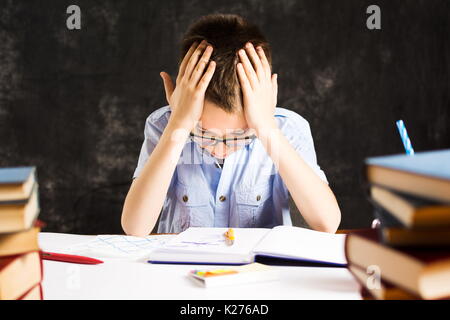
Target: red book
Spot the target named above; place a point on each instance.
(19, 273)
(424, 273)
(34, 293)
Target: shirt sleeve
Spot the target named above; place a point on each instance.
(152, 133)
(151, 138)
(298, 133)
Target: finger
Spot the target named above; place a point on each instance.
(251, 52)
(249, 71)
(168, 85)
(194, 59)
(201, 65)
(265, 63)
(275, 87)
(245, 83)
(205, 80)
(186, 60)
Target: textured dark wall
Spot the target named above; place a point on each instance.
(74, 103)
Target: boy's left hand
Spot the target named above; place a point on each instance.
(259, 88)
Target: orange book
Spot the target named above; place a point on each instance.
(382, 291)
(412, 211)
(423, 273)
(19, 242)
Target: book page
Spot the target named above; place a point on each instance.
(212, 241)
(303, 244)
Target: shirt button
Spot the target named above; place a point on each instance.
(185, 198)
(222, 198)
(258, 197)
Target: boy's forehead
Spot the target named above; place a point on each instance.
(219, 121)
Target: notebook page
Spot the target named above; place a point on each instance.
(212, 240)
(303, 244)
(208, 245)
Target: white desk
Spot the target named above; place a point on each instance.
(121, 279)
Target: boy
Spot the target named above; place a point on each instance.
(221, 154)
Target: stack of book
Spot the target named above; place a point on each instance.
(408, 255)
(20, 258)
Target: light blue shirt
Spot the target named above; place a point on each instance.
(247, 192)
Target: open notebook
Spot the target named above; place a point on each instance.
(208, 246)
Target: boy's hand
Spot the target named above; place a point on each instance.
(187, 98)
(259, 88)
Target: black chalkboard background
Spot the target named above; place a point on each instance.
(73, 103)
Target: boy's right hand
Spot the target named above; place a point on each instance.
(187, 98)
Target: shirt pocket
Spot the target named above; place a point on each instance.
(194, 207)
(250, 204)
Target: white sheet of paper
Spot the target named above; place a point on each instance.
(119, 246)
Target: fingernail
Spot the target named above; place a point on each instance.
(248, 45)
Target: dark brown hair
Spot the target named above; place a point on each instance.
(227, 33)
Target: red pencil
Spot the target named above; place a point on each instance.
(69, 258)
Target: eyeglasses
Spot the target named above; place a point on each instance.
(237, 142)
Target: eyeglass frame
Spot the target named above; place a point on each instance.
(224, 141)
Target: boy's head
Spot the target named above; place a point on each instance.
(223, 114)
(227, 33)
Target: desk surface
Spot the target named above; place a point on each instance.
(121, 279)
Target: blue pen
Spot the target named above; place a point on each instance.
(409, 151)
(405, 139)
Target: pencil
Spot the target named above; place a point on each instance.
(229, 237)
(405, 138)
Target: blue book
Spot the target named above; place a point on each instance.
(426, 174)
(19, 215)
(16, 183)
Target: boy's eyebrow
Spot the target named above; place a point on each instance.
(205, 130)
(236, 131)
